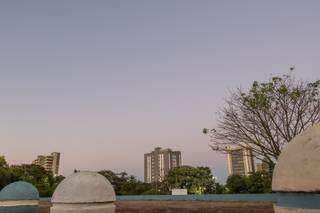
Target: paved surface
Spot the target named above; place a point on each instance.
(184, 207)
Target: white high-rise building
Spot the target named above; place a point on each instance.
(240, 161)
(49, 162)
(158, 163)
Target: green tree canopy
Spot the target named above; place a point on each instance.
(237, 184)
(5, 174)
(36, 175)
(126, 185)
(197, 180)
(257, 182)
(44, 181)
(3, 162)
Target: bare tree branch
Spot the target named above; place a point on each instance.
(267, 117)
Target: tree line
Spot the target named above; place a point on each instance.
(197, 180)
(43, 180)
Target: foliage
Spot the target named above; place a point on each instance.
(3, 162)
(237, 184)
(135, 187)
(266, 118)
(197, 180)
(219, 188)
(5, 175)
(158, 188)
(258, 182)
(126, 185)
(34, 174)
(58, 180)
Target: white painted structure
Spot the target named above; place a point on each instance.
(179, 192)
(297, 174)
(149, 168)
(240, 161)
(84, 192)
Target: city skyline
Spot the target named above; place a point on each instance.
(105, 82)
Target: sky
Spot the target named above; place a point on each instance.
(104, 82)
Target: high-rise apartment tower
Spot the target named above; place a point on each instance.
(49, 162)
(158, 163)
(240, 161)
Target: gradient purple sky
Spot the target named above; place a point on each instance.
(103, 82)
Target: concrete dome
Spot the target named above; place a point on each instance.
(298, 167)
(19, 191)
(84, 187)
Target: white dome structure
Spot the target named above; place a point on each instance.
(296, 176)
(84, 192)
(298, 167)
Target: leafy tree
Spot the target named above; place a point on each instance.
(218, 188)
(3, 162)
(58, 179)
(134, 187)
(126, 185)
(267, 117)
(116, 180)
(36, 175)
(159, 188)
(5, 175)
(259, 182)
(237, 184)
(197, 180)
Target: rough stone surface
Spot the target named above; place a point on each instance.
(298, 169)
(84, 192)
(86, 208)
(84, 187)
(19, 191)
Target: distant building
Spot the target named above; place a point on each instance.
(49, 162)
(158, 163)
(240, 161)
